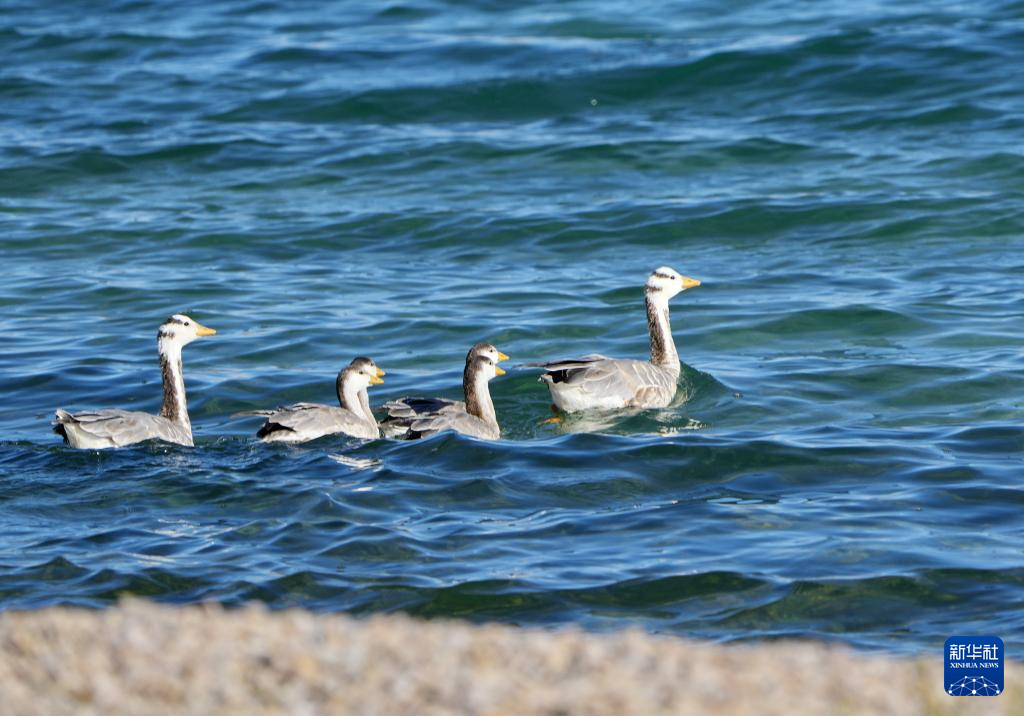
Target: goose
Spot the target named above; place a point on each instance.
(97, 429)
(411, 418)
(596, 382)
(303, 422)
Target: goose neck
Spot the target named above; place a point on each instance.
(175, 406)
(663, 346)
(478, 395)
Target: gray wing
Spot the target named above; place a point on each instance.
(412, 418)
(308, 421)
(117, 428)
(471, 425)
(600, 382)
(267, 412)
(418, 417)
(569, 364)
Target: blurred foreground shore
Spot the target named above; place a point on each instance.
(141, 658)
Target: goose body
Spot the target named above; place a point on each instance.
(411, 418)
(110, 428)
(597, 382)
(303, 422)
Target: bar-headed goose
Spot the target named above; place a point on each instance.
(303, 422)
(117, 428)
(598, 382)
(411, 418)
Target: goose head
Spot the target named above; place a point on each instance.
(180, 330)
(353, 380)
(361, 373)
(666, 282)
(483, 359)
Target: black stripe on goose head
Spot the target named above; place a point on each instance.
(364, 364)
(662, 280)
(479, 349)
(167, 328)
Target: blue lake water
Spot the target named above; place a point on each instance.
(401, 180)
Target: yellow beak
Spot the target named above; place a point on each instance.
(689, 282)
(502, 356)
(376, 380)
(204, 331)
(380, 372)
(498, 370)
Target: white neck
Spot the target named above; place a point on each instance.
(355, 400)
(350, 397)
(174, 407)
(478, 398)
(663, 346)
(364, 404)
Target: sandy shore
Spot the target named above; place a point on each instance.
(146, 659)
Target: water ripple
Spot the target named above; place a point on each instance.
(844, 457)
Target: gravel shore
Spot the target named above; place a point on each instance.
(141, 658)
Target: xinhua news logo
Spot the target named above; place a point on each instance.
(974, 666)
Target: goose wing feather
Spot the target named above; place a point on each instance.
(601, 382)
(420, 417)
(267, 412)
(307, 421)
(116, 428)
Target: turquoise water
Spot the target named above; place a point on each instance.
(401, 180)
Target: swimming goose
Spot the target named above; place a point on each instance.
(303, 422)
(117, 428)
(599, 382)
(411, 418)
